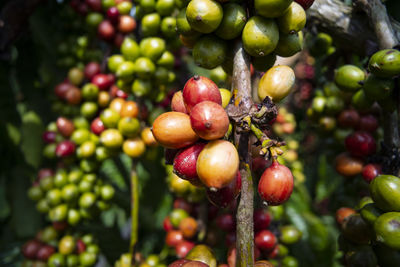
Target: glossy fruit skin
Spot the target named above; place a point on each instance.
(265, 240)
(272, 9)
(183, 248)
(262, 219)
(198, 89)
(209, 51)
(226, 222)
(177, 103)
(173, 238)
(385, 63)
(91, 69)
(276, 83)
(209, 120)
(103, 81)
(55, 260)
(45, 252)
(385, 191)
(218, 164)
(370, 212)
(204, 15)
(30, 249)
(97, 126)
(178, 263)
(347, 165)
(348, 118)
(65, 148)
(377, 89)
(370, 171)
(106, 30)
(134, 147)
(65, 126)
(111, 138)
(129, 109)
(126, 24)
(226, 195)
(188, 227)
(387, 229)
(360, 144)
(306, 4)
(232, 22)
(289, 44)
(343, 213)
(276, 184)
(173, 130)
(349, 78)
(290, 235)
(260, 36)
(293, 20)
(185, 163)
(203, 254)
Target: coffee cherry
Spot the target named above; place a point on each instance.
(370, 171)
(262, 219)
(199, 89)
(226, 195)
(134, 147)
(91, 69)
(173, 238)
(173, 130)
(306, 4)
(209, 120)
(348, 166)
(226, 222)
(106, 30)
(167, 225)
(276, 184)
(177, 215)
(185, 163)
(148, 137)
(348, 118)
(183, 248)
(61, 89)
(188, 227)
(217, 164)
(276, 83)
(368, 123)
(126, 24)
(129, 109)
(177, 103)
(65, 148)
(343, 213)
(45, 252)
(97, 126)
(265, 240)
(31, 248)
(360, 144)
(65, 126)
(290, 234)
(103, 81)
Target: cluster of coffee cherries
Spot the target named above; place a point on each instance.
(54, 248)
(76, 50)
(70, 195)
(304, 87)
(151, 260)
(198, 113)
(145, 69)
(110, 18)
(207, 26)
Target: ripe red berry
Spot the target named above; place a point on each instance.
(185, 163)
(305, 3)
(30, 249)
(370, 171)
(80, 246)
(45, 252)
(226, 195)
(360, 144)
(49, 137)
(106, 30)
(265, 240)
(173, 238)
(226, 222)
(97, 126)
(167, 225)
(276, 184)
(199, 89)
(45, 172)
(65, 148)
(348, 118)
(65, 126)
(368, 123)
(103, 81)
(91, 69)
(61, 89)
(113, 14)
(262, 219)
(183, 248)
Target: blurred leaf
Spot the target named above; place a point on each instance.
(13, 133)
(31, 132)
(4, 205)
(25, 219)
(113, 173)
(326, 183)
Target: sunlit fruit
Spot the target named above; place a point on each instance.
(134, 147)
(385, 63)
(65, 126)
(276, 184)
(343, 213)
(209, 120)
(173, 130)
(370, 171)
(276, 83)
(177, 103)
(349, 78)
(185, 163)
(198, 89)
(217, 164)
(204, 15)
(387, 228)
(347, 165)
(293, 20)
(385, 191)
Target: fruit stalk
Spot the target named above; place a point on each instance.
(241, 90)
(134, 211)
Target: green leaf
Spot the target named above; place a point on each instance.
(31, 132)
(4, 205)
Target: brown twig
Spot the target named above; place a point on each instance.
(240, 108)
(349, 27)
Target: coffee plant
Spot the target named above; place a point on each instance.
(194, 133)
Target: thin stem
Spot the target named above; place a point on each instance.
(134, 212)
(241, 88)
